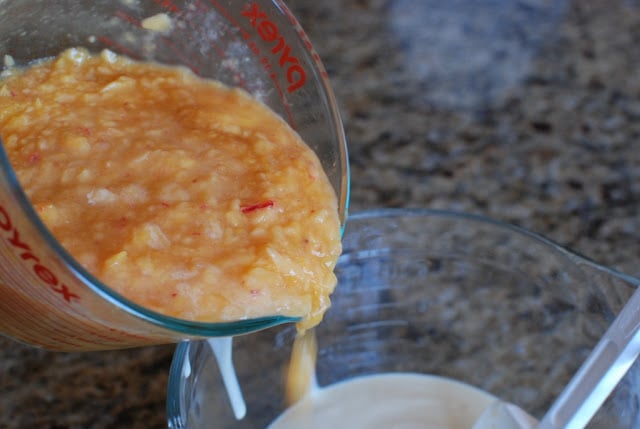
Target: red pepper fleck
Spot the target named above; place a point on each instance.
(257, 206)
(163, 204)
(173, 295)
(121, 222)
(86, 131)
(34, 157)
(204, 206)
(13, 94)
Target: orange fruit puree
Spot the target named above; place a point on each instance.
(187, 197)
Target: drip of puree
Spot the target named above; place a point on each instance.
(187, 197)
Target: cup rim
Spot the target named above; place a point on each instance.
(575, 256)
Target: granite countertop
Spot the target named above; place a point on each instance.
(525, 111)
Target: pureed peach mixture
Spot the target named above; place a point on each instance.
(186, 196)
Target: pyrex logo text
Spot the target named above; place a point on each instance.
(26, 254)
(269, 32)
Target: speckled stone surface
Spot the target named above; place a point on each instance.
(528, 112)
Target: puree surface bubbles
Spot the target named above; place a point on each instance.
(187, 197)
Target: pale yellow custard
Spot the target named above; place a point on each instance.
(389, 400)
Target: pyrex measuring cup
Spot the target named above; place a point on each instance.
(48, 299)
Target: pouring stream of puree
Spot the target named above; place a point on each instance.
(300, 377)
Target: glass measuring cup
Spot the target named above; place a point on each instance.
(428, 292)
(49, 300)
